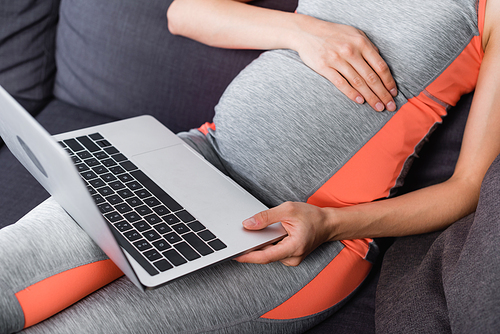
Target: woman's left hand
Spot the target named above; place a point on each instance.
(307, 228)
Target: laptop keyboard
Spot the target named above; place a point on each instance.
(149, 224)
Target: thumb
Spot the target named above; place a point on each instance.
(260, 220)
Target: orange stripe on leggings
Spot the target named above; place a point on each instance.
(332, 285)
(53, 294)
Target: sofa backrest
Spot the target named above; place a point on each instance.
(27, 43)
(117, 57)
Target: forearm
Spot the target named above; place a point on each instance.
(232, 24)
(422, 211)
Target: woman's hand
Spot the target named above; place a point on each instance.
(305, 224)
(346, 57)
(340, 53)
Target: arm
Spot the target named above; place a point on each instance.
(429, 209)
(337, 52)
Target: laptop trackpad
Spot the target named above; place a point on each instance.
(197, 185)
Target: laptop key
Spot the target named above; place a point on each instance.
(142, 193)
(134, 201)
(217, 244)
(123, 208)
(161, 245)
(84, 155)
(163, 265)
(89, 144)
(162, 228)
(82, 167)
(153, 219)
(103, 143)
(123, 226)
(180, 228)
(132, 217)
(129, 166)
(174, 257)
(111, 150)
(151, 235)
(172, 238)
(114, 199)
(105, 191)
(142, 245)
(101, 155)
(113, 216)
(161, 210)
(132, 235)
(152, 255)
(197, 243)
(119, 157)
(152, 202)
(98, 198)
(171, 219)
(96, 136)
(125, 193)
(206, 235)
(116, 185)
(97, 183)
(88, 175)
(105, 207)
(74, 145)
(186, 251)
(143, 210)
(142, 226)
(196, 226)
(185, 216)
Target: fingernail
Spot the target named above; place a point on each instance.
(379, 106)
(360, 100)
(394, 92)
(250, 222)
(391, 106)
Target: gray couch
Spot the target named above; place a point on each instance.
(79, 63)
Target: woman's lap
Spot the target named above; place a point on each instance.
(229, 297)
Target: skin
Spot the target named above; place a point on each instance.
(323, 47)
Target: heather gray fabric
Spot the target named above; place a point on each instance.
(226, 298)
(27, 44)
(446, 281)
(118, 58)
(418, 40)
(278, 114)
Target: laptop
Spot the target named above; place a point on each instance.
(155, 206)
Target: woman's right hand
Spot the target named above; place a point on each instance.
(346, 57)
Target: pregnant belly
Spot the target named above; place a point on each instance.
(282, 130)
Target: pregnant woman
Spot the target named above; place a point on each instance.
(318, 128)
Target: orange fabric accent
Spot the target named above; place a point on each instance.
(373, 170)
(333, 284)
(53, 294)
(204, 128)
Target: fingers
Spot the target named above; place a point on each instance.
(279, 252)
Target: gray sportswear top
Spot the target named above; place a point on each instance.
(282, 130)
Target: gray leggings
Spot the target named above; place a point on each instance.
(230, 297)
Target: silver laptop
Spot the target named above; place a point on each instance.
(155, 206)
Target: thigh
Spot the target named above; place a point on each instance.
(226, 298)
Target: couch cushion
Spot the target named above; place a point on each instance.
(27, 44)
(117, 57)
